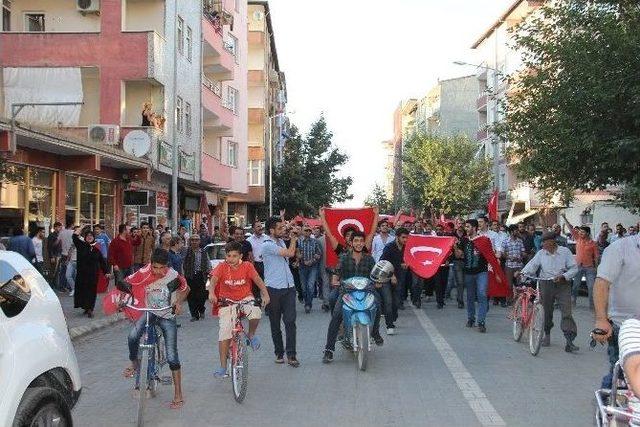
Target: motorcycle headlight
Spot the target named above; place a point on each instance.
(358, 283)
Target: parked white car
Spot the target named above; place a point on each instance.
(216, 253)
(39, 375)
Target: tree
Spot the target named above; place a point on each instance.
(444, 175)
(573, 119)
(378, 198)
(308, 177)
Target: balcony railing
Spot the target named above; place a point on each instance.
(213, 85)
(482, 134)
(215, 12)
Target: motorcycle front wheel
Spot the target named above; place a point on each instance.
(362, 334)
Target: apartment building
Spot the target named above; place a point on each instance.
(499, 59)
(403, 127)
(389, 156)
(111, 58)
(266, 102)
(449, 108)
(224, 106)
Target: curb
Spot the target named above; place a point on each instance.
(96, 325)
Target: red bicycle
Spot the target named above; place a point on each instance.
(238, 356)
(528, 313)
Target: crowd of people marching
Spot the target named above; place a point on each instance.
(280, 261)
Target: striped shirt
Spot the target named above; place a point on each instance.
(309, 248)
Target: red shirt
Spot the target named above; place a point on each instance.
(121, 252)
(234, 283)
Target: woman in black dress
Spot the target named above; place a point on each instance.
(89, 261)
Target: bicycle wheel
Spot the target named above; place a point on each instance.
(536, 330)
(239, 369)
(143, 376)
(518, 327)
(362, 335)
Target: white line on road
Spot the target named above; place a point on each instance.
(477, 400)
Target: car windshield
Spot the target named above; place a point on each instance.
(215, 251)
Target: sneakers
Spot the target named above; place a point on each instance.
(255, 343)
(377, 339)
(328, 356)
(481, 328)
(220, 373)
(546, 340)
(470, 323)
(307, 309)
(279, 360)
(391, 331)
(71, 293)
(570, 347)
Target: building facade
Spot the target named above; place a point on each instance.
(266, 113)
(403, 127)
(183, 63)
(499, 59)
(449, 108)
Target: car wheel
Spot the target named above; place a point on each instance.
(42, 406)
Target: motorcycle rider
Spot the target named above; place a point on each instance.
(353, 263)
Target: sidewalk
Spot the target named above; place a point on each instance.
(78, 323)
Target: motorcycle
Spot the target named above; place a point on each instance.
(358, 313)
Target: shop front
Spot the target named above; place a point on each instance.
(153, 208)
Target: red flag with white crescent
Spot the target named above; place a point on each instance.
(341, 220)
(425, 254)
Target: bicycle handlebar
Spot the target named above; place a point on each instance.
(148, 309)
(226, 301)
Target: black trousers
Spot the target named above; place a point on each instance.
(282, 306)
(440, 283)
(198, 295)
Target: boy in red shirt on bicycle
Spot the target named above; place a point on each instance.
(233, 280)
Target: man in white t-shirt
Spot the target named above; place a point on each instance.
(38, 246)
(616, 294)
(381, 240)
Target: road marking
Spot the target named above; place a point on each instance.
(477, 400)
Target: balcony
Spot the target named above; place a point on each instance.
(481, 102)
(482, 134)
(217, 114)
(218, 55)
(131, 55)
(214, 172)
(256, 116)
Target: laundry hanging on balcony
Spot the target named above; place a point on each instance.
(41, 85)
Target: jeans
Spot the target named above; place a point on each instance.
(417, 286)
(386, 307)
(324, 276)
(333, 297)
(282, 307)
(613, 353)
(170, 332)
(336, 320)
(456, 278)
(477, 285)
(70, 274)
(308, 276)
(590, 274)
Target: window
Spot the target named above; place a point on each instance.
(187, 118)
(34, 22)
(107, 191)
(231, 44)
(232, 154)
(6, 15)
(179, 111)
(256, 172)
(232, 99)
(189, 43)
(180, 36)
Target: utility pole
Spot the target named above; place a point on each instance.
(174, 146)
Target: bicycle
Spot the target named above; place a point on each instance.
(238, 356)
(528, 313)
(151, 360)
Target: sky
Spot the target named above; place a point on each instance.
(355, 60)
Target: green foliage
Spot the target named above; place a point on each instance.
(443, 174)
(378, 198)
(573, 119)
(308, 178)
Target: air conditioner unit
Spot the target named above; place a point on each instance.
(104, 134)
(88, 6)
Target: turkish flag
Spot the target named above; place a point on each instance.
(401, 219)
(425, 254)
(492, 206)
(313, 222)
(498, 285)
(340, 220)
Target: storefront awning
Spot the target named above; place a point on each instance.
(520, 217)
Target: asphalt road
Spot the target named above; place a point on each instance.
(434, 372)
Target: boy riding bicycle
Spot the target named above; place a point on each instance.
(233, 280)
(158, 285)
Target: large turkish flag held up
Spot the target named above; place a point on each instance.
(340, 220)
(425, 254)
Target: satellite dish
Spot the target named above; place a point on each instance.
(137, 143)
